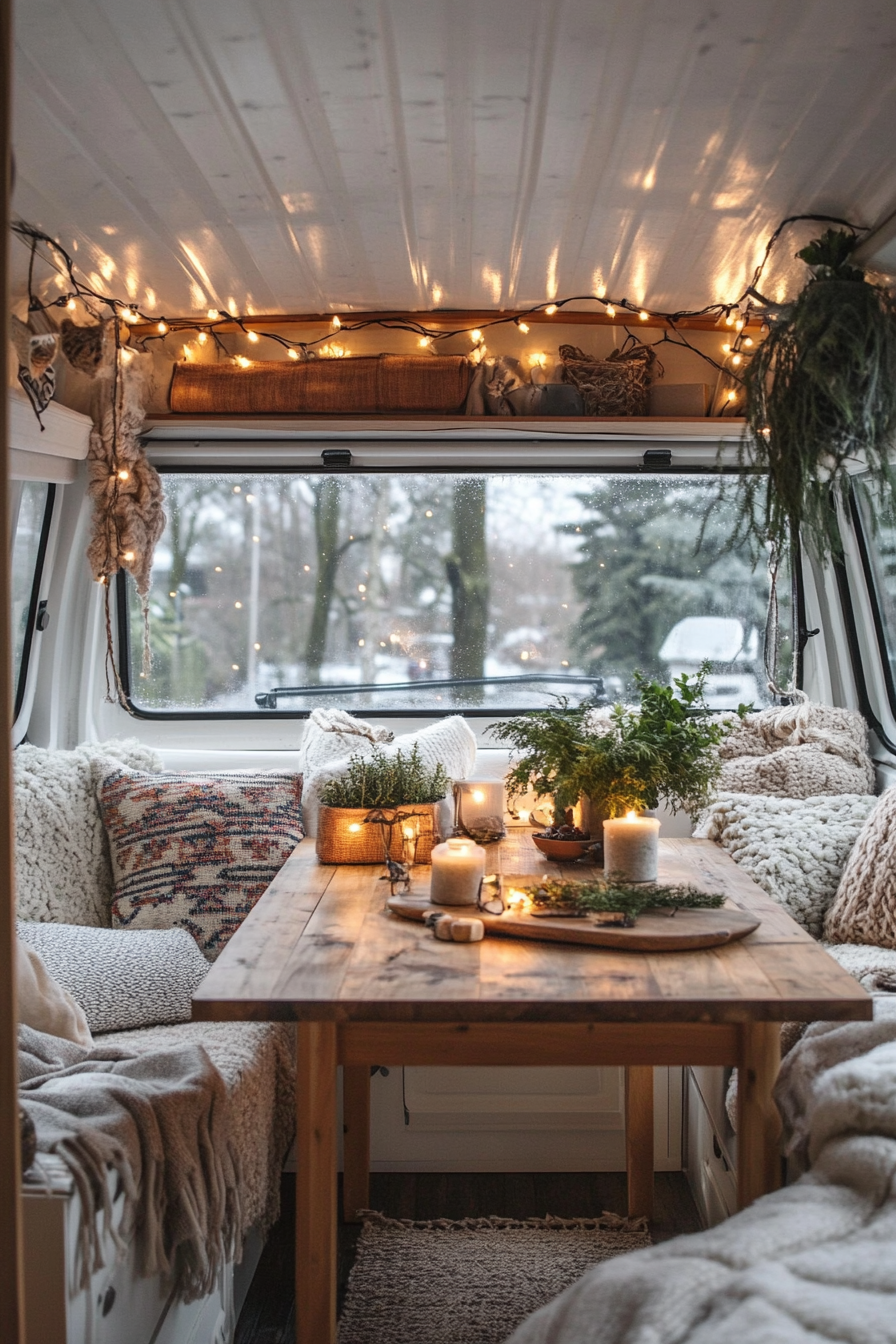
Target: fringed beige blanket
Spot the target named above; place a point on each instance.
(160, 1120)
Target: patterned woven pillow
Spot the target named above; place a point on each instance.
(196, 850)
(122, 978)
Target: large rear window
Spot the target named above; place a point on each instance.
(488, 592)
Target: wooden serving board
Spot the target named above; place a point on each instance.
(654, 931)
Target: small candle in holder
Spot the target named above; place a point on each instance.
(631, 847)
(480, 808)
(458, 867)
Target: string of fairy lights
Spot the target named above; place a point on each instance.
(733, 316)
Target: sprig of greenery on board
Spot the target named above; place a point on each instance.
(385, 781)
(820, 392)
(615, 894)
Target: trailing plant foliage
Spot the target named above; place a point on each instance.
(624, 759)
(379, 780)
(821, 390)
(615, 894)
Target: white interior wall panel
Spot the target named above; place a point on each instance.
(296, 155)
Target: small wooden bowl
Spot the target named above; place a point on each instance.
(564, 850)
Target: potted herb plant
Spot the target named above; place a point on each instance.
(623, 759)
(382, 803)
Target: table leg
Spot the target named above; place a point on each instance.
(355, 1140)
(758, 1121)
(639, 1139)
(316, 1183)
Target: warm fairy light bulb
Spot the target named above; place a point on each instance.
(748, 341)
(478, 796)
(551, 309)
(732, 396)
(610, 310)
(736, 359)
(424, 341)
(253, 336)
(335, 324)
(127, 356)
(524, 327)
(202, 337)
(765, 432)
(128, 555)
(739, 324)
(644, 315)
(726, 348)
(242, 362)
(162, 328)
(71, 305)
(476, 336)
(188, 353)
(213, 313)
(129, 315)
(354, 827)
(123, 475)
(729, 319)
(293, 354)
(538, 359)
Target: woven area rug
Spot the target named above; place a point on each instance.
(469, 1282)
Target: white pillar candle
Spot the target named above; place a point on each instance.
(631, 847)
(458, 867)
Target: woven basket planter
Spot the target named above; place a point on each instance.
(345, 836)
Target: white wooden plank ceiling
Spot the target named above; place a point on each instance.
(300, 155)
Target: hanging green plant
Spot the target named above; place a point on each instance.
(820, 392)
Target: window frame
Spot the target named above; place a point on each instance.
(635, 466)
(848, 602)
(34, 601)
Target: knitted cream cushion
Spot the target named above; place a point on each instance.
(122, 978)
(196, 851)
(63, 873)
(794, 848)
(332, 737)
(801, 751)
(864, 908)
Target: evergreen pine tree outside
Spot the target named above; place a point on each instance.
(644, 566)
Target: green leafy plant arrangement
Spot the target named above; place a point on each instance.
(626, 761)
(820, 390)
(385, 781)
(616, 895)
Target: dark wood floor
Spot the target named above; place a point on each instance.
(268, 1315)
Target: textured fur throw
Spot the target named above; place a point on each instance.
(63, 868)
(809, 1264)
(864, 908)
(794, 848)
(800, 751)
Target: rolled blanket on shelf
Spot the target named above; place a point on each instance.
(160, 1121)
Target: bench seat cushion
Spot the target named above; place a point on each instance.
(257, 1064)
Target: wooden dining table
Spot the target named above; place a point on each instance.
(366, 987)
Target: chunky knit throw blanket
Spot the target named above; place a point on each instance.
(800, 751)
(794, 848)
(811, 1263)
(159, 1120)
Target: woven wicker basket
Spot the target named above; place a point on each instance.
(370, 384)
(338, 843)
(617, 385)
